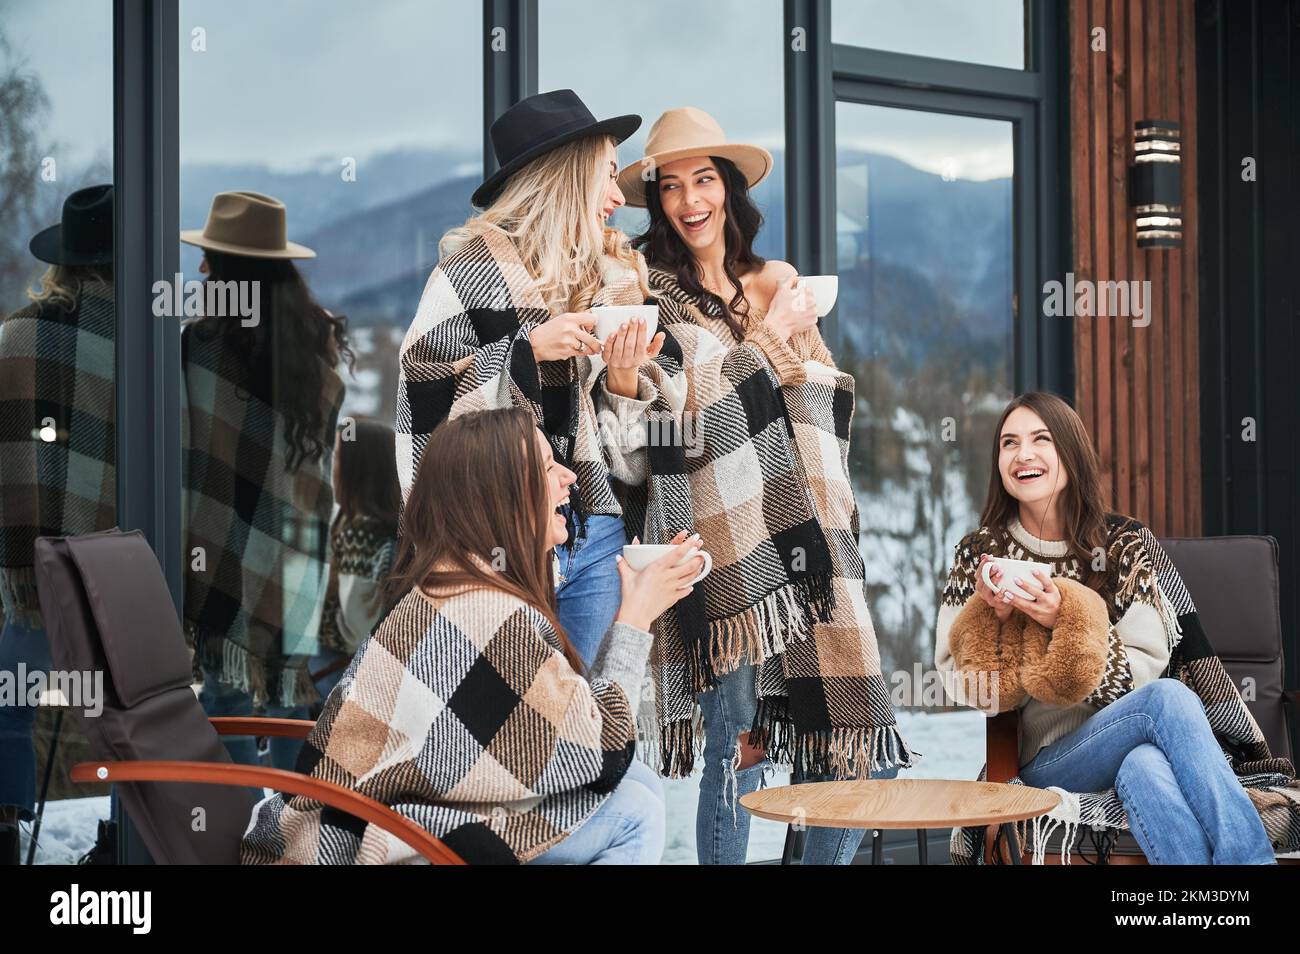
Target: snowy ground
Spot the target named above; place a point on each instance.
(951, 743)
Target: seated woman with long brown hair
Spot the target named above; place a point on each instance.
(1081, 650)
(467, 710)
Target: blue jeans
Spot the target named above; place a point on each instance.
(721, 824)
(20, 644)
(223, 700)
(1155, 747)
(589, 596)
(628, 829)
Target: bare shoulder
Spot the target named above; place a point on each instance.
(763, 284)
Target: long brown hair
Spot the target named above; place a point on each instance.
(478, 510)
(368, 484)
(1082, 505)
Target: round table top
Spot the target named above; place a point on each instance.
(899, 803)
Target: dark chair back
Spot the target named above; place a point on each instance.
(107, 609)
(1234, 582)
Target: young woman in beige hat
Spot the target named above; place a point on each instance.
(789, 671)
(262, 400)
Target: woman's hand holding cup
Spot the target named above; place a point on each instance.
(624, 351)
(999, 600)
(648, 592)
(792, 310)
(566, 336)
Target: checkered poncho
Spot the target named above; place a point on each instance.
(760, 470)
(55, 363)
(256, 533)
(1269, 780)
(468, 349)
(462, 714)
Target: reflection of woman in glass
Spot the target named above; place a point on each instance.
(263, 394)
(497, 743)
(789, 668)
(58, 448)
(504, 321)
(363, 542)
(1081, 654)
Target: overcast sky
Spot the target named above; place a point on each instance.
(292, 82)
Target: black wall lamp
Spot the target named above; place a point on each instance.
(1156, 184)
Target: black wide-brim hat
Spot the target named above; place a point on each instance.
(534, 126)
(85, 236)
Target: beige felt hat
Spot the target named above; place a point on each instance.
(246, 223)
(680, 134)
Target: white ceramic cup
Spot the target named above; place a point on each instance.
(641, 555)
(1010, 570)
(610, 318)
(825, 289)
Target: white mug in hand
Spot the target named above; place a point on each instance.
(1010, 570)
(610, 318)
(641, 555)
(825, 289)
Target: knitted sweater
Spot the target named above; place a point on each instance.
(462, 714)
(361, 555)
(1142, 622)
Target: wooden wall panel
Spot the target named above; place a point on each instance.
(1136, 387)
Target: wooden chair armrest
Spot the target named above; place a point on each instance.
(257, 776)
(254, 725)
(1002, 755)
(1002, 745)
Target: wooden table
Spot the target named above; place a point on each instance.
(920, 803)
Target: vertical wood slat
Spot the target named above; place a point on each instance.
(1137, 387)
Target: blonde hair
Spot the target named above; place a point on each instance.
(61, 285)
(550, 209)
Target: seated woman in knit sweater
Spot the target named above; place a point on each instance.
(466, 709)
(1082, 660)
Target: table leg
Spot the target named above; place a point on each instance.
(922, 846)
(787, 853)
(1013, 844)
(877, 847)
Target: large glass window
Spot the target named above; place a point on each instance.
(58, 334)
(990, 31)
(924, 243)
(325, 147)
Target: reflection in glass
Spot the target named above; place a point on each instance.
(924, 248)
(990, 31)
(58, 441)
(282, 105)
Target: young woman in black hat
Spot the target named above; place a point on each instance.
(505, 321)
(58, 450)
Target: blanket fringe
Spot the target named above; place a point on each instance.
(765, 629)
(235, 666)
(841, 752)
(18, 596)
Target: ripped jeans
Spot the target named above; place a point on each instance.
(721, 824)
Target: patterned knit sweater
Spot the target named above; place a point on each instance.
(362, 550)
(1142, 621)
(461, 713)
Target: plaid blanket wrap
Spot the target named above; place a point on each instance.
(760, 471)
(255, 588)
(1269, 780)
(462, 714)
(468, 349)
(56, 478)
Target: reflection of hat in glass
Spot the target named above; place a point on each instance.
(534, 126)
(246, 223)
(685, 132)
(85, 236)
